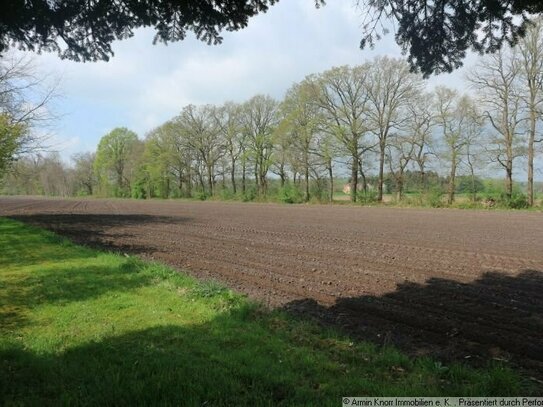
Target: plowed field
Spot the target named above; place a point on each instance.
(454, 283)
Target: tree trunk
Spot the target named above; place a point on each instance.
(306, 171)
(473, 189)
(210, 179)
(202, 184)
(364, 180)
(120, 183)
(331, 175)
(307, 184)
(263, 184)
(243, 176)
(531, 153)
(399, 183)
(382, 146)
(422, 178)
(354, 178)
(509, 179)
(257, 182)
(233, 176)
(180, 183)
(509, 167)
(452, 180)
(189, 182)
(282, 175)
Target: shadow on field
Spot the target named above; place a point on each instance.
(496, 317)
(104, 231)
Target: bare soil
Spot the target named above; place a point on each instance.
(455, 284)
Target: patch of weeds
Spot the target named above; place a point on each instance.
(209, 289)
(133, 264)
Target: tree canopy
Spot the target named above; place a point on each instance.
(434, 33)
(114, 160)
(84, 30)
(10, 140)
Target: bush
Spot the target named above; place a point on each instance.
(139, 190)
(226, 194)
(318, 191)
(201, 195)
(517, 201)
(366, 197)
(290, 194)
(434, 198)
(464, 185)
(249, 195)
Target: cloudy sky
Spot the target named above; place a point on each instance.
(144, 85)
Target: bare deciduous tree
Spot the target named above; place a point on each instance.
(420, 124)
(390, 87)
(452, 117)
(496, 81)
(399, 155)
(531, 53)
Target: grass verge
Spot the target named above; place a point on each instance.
(83, 327)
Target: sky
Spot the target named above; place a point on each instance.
(144, 85)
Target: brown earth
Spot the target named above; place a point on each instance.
(456, 284)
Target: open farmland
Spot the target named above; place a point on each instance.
(457, 284)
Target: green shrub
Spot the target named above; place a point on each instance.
(434, 198)
(249, 195)
(366, 197)
(517, 201)
(288, 193)
(201, 195)
(319, 191)
(226, 194)
(139, 189)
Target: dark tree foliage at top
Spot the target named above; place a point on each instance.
(435, 34)
(83, 30)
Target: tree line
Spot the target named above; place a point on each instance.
(373, 123)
